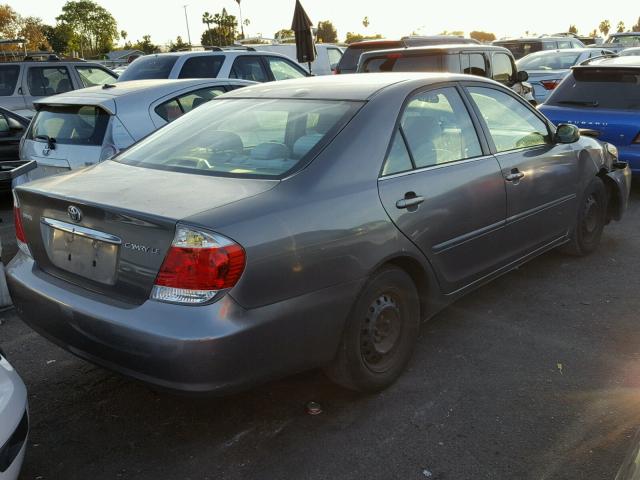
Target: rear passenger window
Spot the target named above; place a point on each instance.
(473, 64)
(176, 107)
(438, 128)
(283, 69)
(48, 81)
(204, 66)
(398, 159)
(249, 68)
(8, 78)
(565, 44)
(334, 57)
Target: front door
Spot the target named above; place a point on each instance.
(540, 176)
(442, 189)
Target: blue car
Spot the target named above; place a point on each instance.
(602, 96)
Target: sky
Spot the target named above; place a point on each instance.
(164, 19)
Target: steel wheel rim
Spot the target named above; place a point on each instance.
(591, 214)
(381, 332)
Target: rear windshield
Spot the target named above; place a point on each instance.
(351, 56)
(70, 125)
(149, 66)
(585, 88)
(8, 79)
(520, 49)
(242, 137)
(625, 40)
(549, 61)
(400, 63)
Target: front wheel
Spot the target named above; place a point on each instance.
(380, 334)
(592, 213)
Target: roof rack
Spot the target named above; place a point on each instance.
(239, 47)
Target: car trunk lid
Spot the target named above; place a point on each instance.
(113, 240)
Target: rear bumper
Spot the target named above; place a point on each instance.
(631, 155)
(218, 348)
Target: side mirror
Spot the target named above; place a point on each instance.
(522, 76)
(566, 133)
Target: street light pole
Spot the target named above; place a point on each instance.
(241, 23)
(187, 22)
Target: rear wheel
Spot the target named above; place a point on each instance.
(592, 212)
(380, 333)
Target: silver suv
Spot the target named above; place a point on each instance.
(245, 64)
(23, 82)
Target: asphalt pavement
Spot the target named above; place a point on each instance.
(535, 376)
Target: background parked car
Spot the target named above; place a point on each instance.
(242, 64)
(324, 64)
(630, 52)
(12, 128)
(23, 82)
(618, 42)
(483, 60)
(303, 224)
(521, 47)
(547, 68)
(83, 127)
(349, 61)
(602, 96)
(14, 420)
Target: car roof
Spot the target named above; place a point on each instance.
(355, 87)
(562, 50)
(534, 39)
(624, 34)
(613, 62)
(105, 97)
(447, 48)
(238, 51)
(53, 63)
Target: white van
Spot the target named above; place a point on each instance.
(325, 63)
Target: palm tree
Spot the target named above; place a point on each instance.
(207, 18)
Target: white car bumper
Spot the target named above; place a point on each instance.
(14, 422)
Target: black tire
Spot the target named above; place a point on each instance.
(592, 214)
(380, 333)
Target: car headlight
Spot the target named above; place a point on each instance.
(613, 151)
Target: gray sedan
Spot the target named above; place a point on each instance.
(301, 224)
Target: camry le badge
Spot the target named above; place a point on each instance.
(74, 213)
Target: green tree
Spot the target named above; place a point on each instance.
(573, 29)
(145, 45)
(226, 27)
(59, 37)
(179, 45)
(620, 27)
(357, 37)
(636, 27)
(604, 27)
(284, 33)
(482, 36)
(207, 19)
(32, 30)
(94, 28)
(9, 22)
(326, 32)
(594, 34)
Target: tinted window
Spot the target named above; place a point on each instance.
(92, 76)
(397, 62)
(625, 40)
(521, 48)
(149, 66)
(242, 137)
(176, 107)
(349, 61)
(334, 55)
(503, 68)
(8, 78)
(604, 89)
(249, 68)
(72, 125)
(206, 66)
(398, 159)
(283, 69)
(48, 81)
(550, 61)
(473, 64)
(565, 44)
(511, 124)
(438, 128)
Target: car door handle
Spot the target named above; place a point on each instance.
(514, 176)
(409, 202)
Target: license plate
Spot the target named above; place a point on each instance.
(82, 255)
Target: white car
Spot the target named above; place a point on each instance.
(246, 63)
(326, 62)
(83, 127)
(14, 421)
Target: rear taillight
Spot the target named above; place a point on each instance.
(550, 84)
(637, 139)
(21, 238)
(198, 265)
(393, 56)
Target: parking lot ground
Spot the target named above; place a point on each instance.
(536, 375)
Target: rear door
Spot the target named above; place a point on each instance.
(250, 67)
(11, 94)
(443, 190)
(540, 176)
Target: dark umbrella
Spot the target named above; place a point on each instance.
(301, 26)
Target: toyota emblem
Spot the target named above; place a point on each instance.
(75, 213)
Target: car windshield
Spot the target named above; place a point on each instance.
(242, 137)
(351, 56)
(606, 88)
(521, 49)
(70, 125)
(149, 66)
(548, 61)
(625, 40)
(396, 62)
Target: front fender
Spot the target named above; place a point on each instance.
(620, 181)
